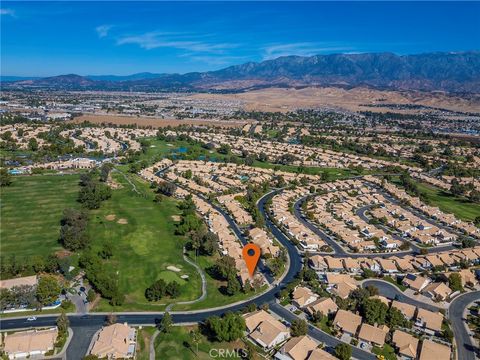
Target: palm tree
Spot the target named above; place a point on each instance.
(196, 337)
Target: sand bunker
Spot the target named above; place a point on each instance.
(110, 217)
(173, 268)
(122, 221)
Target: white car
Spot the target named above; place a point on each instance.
(32, 318)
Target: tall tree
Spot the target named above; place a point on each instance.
(229, 328)
(343, 351)
(63, 322)
(196, 337)
(48, 289)
(166, 323)
(73, 235)
(455, 282)
(233, 285)
(374, 311)
(5, 177)
(299, 327)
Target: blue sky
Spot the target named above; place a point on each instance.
(90, 38)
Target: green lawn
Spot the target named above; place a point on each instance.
(143, 247)
(333, 173)
(323, 325)
(177, 345)
(180, 149)
(31, 209)
(387, 351)
(460, 207)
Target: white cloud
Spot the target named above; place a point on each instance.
(301, 49)
(103, 30)
(9, 12)
(153, 40)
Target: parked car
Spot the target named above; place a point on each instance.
(32, 318)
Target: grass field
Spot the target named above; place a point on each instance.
(177, 345)
(160, 148)
(31, 209)
(460, 207)
(144, 246)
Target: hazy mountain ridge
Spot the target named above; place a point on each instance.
(451, 72)
(137, 76)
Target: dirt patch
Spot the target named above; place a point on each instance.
(110, 217)
(94, 303)
(122, 221)
(176, 218)
(113, 184)
(63, 254)
(283, 100)
(155, 122)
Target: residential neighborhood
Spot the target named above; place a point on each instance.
(239, 180)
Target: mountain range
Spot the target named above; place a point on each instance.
(440, 71)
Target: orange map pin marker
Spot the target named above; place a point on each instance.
(251, 254)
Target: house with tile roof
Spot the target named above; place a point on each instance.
(406, 345)
(265, 330)
(116, 341)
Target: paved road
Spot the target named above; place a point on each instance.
(340, 252)
(360, 212)
(415, 249)
(465, 347)
(392, 292)
(297, 211)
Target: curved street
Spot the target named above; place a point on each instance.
(392, 292)
(466, 349)
(340, 251)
